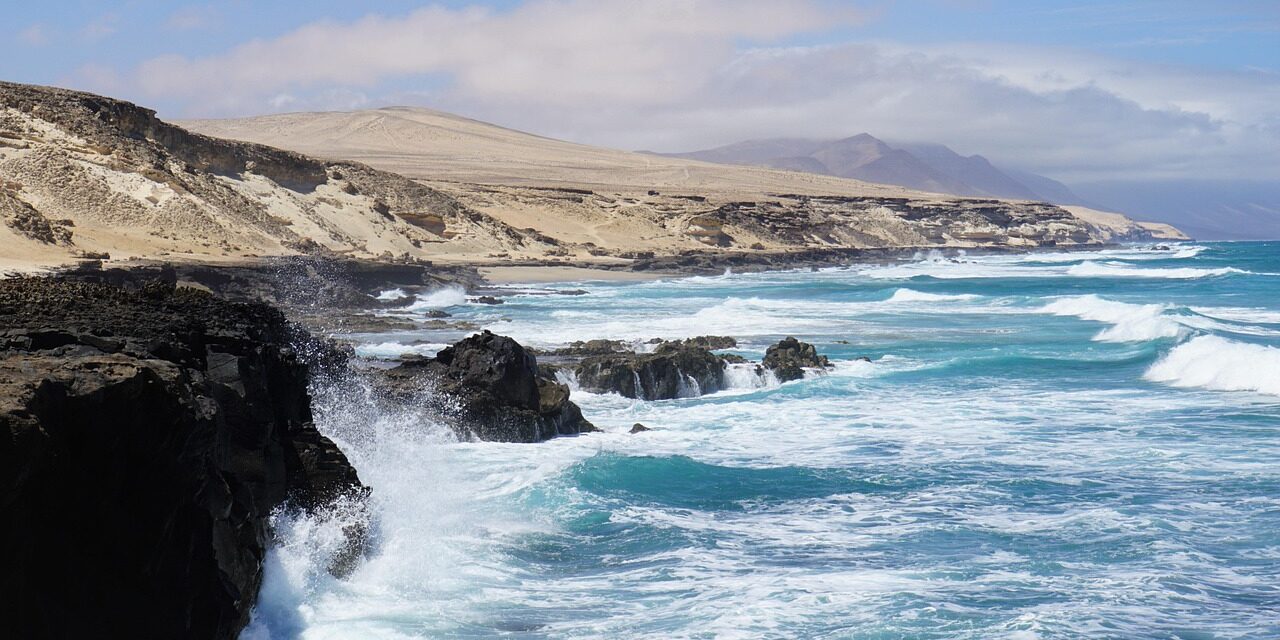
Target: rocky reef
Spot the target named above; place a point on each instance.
(674, 368)
(145, 437)
(489, 387)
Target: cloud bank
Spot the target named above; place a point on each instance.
(684, 74)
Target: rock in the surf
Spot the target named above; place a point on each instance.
(497, 388)
(790, 357)
(673, 370)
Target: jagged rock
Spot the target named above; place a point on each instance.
(638, 428)
(673, 370)
(789, 358)
(591, 348)
(498, 389)
(145, 438)
(711, 342)
(486, 300)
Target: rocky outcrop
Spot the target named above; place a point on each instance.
(672, 370)
(145, 438)
(789, 358)
(496, 388)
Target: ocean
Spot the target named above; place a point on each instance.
(1047, 445)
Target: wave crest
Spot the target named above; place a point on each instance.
(1130, 322)
(1211, 362)
(911, 295)
(1091, 269)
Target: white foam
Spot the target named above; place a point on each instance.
(748, 376)
(1090, 269)
(1211, 362)
(392, 294)
(391, 350)
(1130, 322)
(439, 298)
(911, 295)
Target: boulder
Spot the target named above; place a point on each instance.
(789, 358)
(638, 428)
(497, 389)
(145, 439)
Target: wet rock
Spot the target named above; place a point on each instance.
(145, 438)
(638, 428)
(789, 358)
(499, 393)
(591, 348)
(711, 342)
(486, 300)
(673, 370)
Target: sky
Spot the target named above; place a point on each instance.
(1080, 91)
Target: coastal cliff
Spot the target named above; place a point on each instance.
(145, 438)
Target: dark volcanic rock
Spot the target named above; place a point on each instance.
(638, 428)
(789, 358)
(711, 342)
(145, 438)
(499, 393)
(673, 370)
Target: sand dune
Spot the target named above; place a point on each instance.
(436, 146)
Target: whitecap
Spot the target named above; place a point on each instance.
(1090, 269)
(911, 295)
(392, 294)
(1216, 363)
(1130, 322)
(392, 350)
(439, 298)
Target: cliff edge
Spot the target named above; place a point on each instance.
(145, 438)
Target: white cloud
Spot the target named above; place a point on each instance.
(682, 74)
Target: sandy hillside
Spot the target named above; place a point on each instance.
(436, 146)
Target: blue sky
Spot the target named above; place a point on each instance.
(1081, 90)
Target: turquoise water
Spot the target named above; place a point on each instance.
(1044, 446)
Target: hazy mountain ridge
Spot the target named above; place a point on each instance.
(924, 166)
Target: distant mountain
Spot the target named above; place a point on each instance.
(973, 172)
(924, 166)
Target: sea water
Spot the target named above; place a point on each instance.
(1049, 445)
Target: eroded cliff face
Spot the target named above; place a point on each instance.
(85, 174)
(145, 438)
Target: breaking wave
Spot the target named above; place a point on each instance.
(1129, 322)
(1090, 269)
(1212, 362)
(439, 299)
(911, 295)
